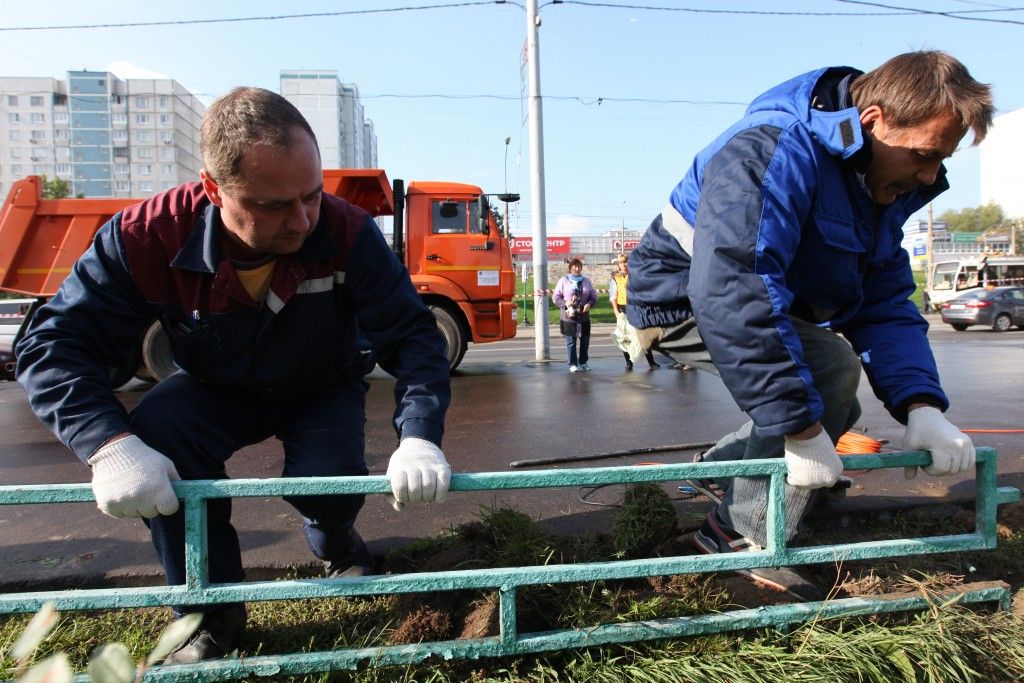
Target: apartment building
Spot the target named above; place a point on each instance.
(336, 115)
(109, 137)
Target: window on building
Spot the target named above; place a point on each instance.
(38, 118)
(120, 151)
(142, 102)
(60, 100)
(119, 118)
(12, 100)
(119, 136)
(15, 169)
(122, 168)
(38, 135)
(167, 169)
(164, 102)
(145, 169)
(35, 100)
(63, 169)
(61, 134)
(166, 136)
(39, 169)
(145, 152)
(12, 117)
(144, 136)
(142, 118)
(145, 186)
(15, 152)
(122, 186)
(166, 153)
(40, 152)
(60, 117)
(165, 119)
(14, 135)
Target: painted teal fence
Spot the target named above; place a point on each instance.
(197, 589)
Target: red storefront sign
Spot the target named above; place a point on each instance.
(625, 245)
(556, 245)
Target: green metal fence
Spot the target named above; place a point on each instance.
(198, 591)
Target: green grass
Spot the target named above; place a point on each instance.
(946, 643)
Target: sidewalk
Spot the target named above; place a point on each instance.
(530, 331)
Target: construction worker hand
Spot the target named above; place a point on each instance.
(928, 430)
(130, 479)
(812, 463)
(418, 473)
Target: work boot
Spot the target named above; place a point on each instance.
(219, 634)
(356, 562)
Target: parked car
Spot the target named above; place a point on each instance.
(999, 307)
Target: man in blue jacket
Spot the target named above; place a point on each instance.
(268, 290)
(786, 230)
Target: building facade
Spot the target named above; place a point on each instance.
(335, 113)
(1002, 173)
(108, 137)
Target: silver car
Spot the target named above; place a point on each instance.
(999, 307)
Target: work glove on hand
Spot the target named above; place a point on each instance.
(418, 473)
(812, 463)
(928, 430)
(130, 479)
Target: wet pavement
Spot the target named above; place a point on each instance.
(506, 407)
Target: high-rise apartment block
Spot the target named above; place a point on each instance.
(335, 112)
(109, 137)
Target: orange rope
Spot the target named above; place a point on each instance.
(852, 443)
(992, 431)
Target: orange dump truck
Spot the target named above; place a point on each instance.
(444, 232)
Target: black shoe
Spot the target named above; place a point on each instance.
(356, 562)
(715, 536)
(219, 634)
(629, 366)
(653, 366)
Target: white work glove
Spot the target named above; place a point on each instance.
(418, 473)
(812, 463)
(928, 430)
(130, 479)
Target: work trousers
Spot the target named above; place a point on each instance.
(198, 426)
(836, 372)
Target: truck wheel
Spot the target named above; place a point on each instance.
(453, 336)
(156, 353)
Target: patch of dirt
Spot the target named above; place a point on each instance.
(482, 620)
(423, 624)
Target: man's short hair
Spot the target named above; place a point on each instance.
(241, 119)
(916, 86)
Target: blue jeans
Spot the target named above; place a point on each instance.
(579, 352)
(198, 426)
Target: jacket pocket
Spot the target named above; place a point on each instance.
(194, 342)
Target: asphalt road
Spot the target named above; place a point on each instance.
(507, 406)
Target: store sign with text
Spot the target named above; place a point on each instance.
(556, 245)
(625, 245)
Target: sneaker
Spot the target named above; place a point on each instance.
(584, 367)
(706, 487)
(219, 634)
(574, 368)
(714, 536)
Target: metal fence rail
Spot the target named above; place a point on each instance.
(506, 581)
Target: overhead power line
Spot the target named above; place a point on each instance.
(894, 11)
(273, 17)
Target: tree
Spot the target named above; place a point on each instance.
(977, 219)
(56, 188)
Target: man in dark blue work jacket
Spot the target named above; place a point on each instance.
(268, 289)
(787, 230)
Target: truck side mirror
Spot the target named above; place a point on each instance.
(484, 213)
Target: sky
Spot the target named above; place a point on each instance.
(630, 93)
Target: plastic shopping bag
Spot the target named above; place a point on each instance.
(624, 336)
